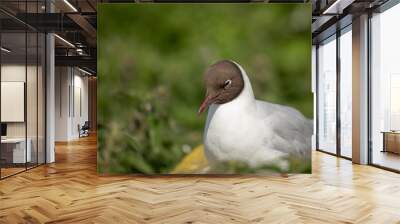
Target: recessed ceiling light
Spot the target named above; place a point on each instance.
(84, 71)
(64, 40)
(70, 5)
(337, 7)
(5, 50)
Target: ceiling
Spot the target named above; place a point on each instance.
(76, 22)
(330, 15)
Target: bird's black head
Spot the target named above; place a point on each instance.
(224, 82)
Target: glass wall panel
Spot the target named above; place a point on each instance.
(22, 88)
(385, 88)
(346, 92)
(32, 83)
(15, 151)
(327, 95)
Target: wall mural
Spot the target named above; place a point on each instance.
(204, 88)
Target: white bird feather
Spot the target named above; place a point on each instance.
(254, 131)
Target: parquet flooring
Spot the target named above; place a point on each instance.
(10, 171)
(70, 191)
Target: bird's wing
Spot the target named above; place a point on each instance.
(289, 131)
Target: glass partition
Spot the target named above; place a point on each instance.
(15, 151)
(22, 101)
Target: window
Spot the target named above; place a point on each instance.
(346, 92)
(385, 88)
(327, 95)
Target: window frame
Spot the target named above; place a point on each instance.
(339, 32)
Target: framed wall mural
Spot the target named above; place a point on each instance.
(204, 88)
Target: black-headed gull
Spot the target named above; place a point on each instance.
(241, 128)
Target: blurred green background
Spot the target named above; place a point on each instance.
(151, 58)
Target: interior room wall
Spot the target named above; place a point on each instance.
(71, 87)
(80, 83)
(62, 82)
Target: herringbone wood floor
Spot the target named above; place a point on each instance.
(70, 191)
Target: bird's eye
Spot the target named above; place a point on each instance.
(227, 83)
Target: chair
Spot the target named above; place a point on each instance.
(84, 130)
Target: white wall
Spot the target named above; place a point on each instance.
(80, 96)
(62, 82)
(71, 94)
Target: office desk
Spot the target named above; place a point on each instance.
(15, 148)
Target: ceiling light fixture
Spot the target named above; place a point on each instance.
(80, 51)
(65, 41)
(337, 7)
(5, 50)
(70, 5)
(84, 71)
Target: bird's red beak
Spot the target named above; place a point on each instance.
(206, 102)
